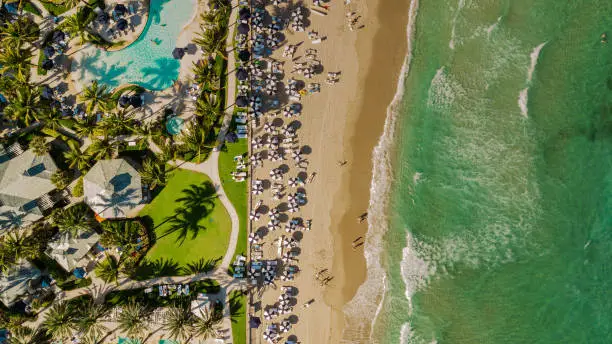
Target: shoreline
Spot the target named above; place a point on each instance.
(383, 49)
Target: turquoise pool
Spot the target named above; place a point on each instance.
(148, 61)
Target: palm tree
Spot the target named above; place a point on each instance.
(205, 325)
(61, 179)
(26, 335)
(25, 105)
(207, 112)
(212, 40)
(89, 322)
(59, 321)
(108, 270)
(77, 24)
(84, 127)
(102, 149)
(76, 158)
(96, 96)
(116, 123)
(124, 234)
(73, 220)
(39, 146)
(19, 246)
(179, 322)
(154, 173)
(194, 140)
(15, 60)
(134, 319)
(204, 73)
(20, 31)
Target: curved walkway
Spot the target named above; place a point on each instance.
(210, 167)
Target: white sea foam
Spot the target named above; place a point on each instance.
(362, 311)
(523, 95)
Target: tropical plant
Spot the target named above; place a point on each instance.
(108, 270)
(212, 40)
(84, 127)
(78, 24)
(116, 123)
(179, 322)
(15, 60)
(102, 149)
(61, 179)
(194, 139)
(96, 96)
(39, 145)
(207, 111)
(205, 73)
(26, 105)
(88, 319)
(76, 158)
(26, 335)
(124, 234)
(18, 245)
(58, 321)
(154, 172)
(205, 326)
(134, 319)
(22, 30)
(78, 191)
(73, 220)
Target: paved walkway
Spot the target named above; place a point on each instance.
(210, 167)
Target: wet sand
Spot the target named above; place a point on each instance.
(381, 46)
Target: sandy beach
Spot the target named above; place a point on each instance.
(341, 124)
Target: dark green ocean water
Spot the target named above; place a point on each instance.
(508, 210)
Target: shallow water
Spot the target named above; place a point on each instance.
(148, 61)
(503, 177)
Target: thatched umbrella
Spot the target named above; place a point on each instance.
(136, 100)
(124, 101)
(242, 101)
(122, 24)
(58, 36)
(243, 28)
(120, 9)
(178, 53)
(242, 74)
(49, 51)
(47, 64)
(244, 13)
(244, 55)
(103, 18)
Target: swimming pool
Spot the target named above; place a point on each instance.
(148, 61)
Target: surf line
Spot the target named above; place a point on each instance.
(523, 94)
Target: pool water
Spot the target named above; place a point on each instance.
(148, 61)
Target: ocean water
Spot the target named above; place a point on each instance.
(499, 225)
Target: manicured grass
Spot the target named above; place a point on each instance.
(236, 191)
(238, 312)
(209, 243)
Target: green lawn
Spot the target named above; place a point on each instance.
(209, 243)
(238, 314)
(236, 191)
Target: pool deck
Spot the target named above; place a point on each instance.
(137, 21)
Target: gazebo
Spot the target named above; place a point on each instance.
(112, 188)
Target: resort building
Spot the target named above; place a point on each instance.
(70, 252)
(19, 281)
(25, 186)
(112, 189)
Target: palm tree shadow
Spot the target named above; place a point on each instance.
(235, 307)
(163, 73)
(196, 204)
(158, 267)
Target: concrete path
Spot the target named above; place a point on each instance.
(210, 167)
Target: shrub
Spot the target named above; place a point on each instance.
(78, 188)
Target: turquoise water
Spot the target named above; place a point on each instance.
(503, 177)
(148, 61)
